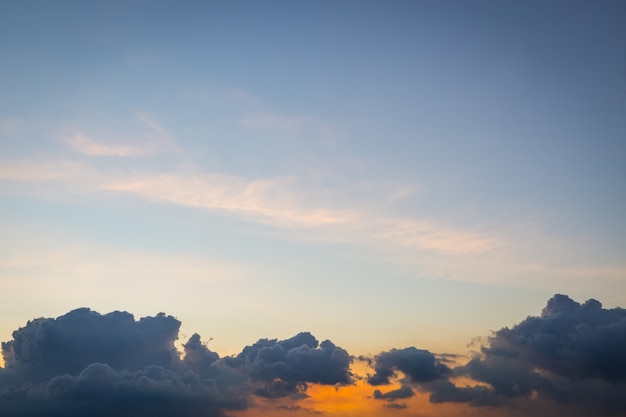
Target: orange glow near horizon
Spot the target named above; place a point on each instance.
(357, 400)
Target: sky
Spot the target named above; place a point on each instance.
(410, 180)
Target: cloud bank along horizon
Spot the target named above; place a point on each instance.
(571, 359)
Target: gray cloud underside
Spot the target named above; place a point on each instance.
(572, 354)
(85, 363)
(571, 358)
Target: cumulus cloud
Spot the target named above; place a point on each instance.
(45, 347)
(100, 390)
(402, 392)
(570, 360)
(85, 363)
(285, 367)
(571, 354)
(417, 364)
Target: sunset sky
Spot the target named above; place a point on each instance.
(388, 175)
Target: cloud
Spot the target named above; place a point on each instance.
(86, 363)
(285, 367)
(402, 392)
(152, 391)
(297, 409)
(446, 391)
(198, 356)
(151, 140)
(571, 354)
(301, 210)
(80, 143)
(262, 200)
(397, 406)
(299, 207)
(276, 202)
(294, 209)
(570, 360)
(48, 347)
(430, 236)
(416, 364)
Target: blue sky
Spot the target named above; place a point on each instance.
(377, 172)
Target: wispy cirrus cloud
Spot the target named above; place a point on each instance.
(82, 144)
(276, 202)
(300, 210)
(266, 200)
(279, 202)
(306, 205)
(152, 139)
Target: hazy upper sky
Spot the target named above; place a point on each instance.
(383, 174)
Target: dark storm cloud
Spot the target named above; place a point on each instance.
(571, 354)
(85, 363)
(418, 365)
(285, 367)
(402, 392)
